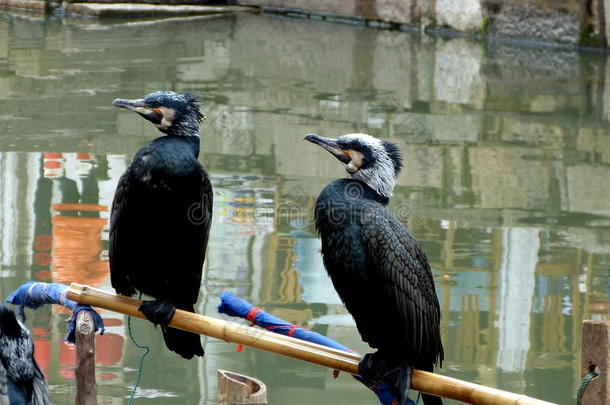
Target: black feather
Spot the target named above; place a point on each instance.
(25, 381)
(382, 276)
(160, 221)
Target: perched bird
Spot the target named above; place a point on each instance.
(25, 381)
(378, 269)
(161, 216)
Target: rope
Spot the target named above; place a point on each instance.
(583, 385)
(141, 366)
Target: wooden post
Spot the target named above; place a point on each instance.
(236, 388)
(86, 388)
(596, 357)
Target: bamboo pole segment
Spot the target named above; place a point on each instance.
(595, 356)
(240, 389)
(272, 342)
(86, 387)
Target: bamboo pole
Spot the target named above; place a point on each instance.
(272, 342)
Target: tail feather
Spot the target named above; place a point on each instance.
(400, 381)
(428, 398)
(186, 344)
(374, 368)
(431, 399)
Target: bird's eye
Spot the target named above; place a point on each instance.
(154, 104)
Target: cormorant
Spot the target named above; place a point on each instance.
(377, 267)
(161, 216)
(26, 383)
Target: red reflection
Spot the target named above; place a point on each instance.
(42, 353)
(107, 376)
(44, 275)
(42, 259)
(77, 246)
(67, 360)
(43, 242)
(108, 349)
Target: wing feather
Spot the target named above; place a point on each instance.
(405, 275)
(118, 277)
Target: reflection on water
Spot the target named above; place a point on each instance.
(507, 186)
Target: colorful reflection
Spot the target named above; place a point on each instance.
(506, 185)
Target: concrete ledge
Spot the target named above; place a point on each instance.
(164, 2)
(31, 5)
(150, 10)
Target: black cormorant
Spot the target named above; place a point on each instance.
(379, 270)
(25, 382)
(161, 216)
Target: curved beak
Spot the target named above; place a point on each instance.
(330, 144)
(140, 107)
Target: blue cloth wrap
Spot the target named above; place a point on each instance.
(232, 305)
(34, 294)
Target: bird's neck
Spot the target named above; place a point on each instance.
(382, 185)
(358, 189)
(192, 140)
(381, 177)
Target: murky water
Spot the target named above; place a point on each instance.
(506, 185)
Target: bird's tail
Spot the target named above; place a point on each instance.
(400, 382)
(40, 389)
(374, 368)
(431, 399)
(186, 344)
(428, 398)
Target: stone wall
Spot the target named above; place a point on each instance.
(569, 22)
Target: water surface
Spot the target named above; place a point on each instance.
(507, 180)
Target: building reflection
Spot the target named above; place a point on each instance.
(506, 181)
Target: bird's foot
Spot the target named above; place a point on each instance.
(158, 312)
(374, 368)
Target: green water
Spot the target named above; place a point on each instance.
(506, 185)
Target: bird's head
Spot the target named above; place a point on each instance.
(373, 161)
(9, 324)
(172, 113)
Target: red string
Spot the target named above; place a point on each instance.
(293, 329)
(251, 316)
(252, 313)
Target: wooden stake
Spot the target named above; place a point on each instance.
(236, 388)
(86, 388)
(272, 342)
(596, 357)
